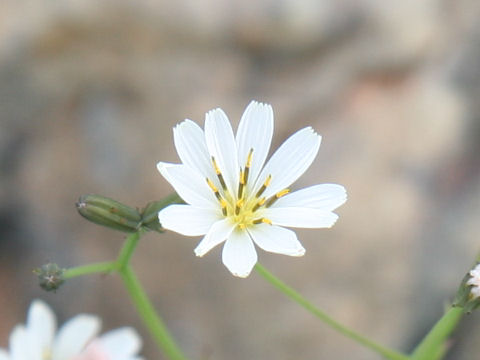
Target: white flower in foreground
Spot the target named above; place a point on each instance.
(231, 196)
(76, 339)
(474, 281)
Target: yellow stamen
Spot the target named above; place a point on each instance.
(258, 204)
(219, 174)
(212, 185)
(262, 220)
(264, 186)
(242, 177)
(215, 166)
(238, 206)
(223, 204)
(282, 193)
(268, 180)
(277, 196)
(249, 159)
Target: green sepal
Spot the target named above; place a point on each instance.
(150, 216)
(150, 212)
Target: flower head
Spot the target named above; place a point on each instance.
(232, 196)
(76, 339)
(474, 282)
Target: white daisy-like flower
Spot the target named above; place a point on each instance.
(474, 281)
(76, 340)
(232, 196)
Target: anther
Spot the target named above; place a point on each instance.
(262, 220)
(264, 186)
(241, 184)
(215, 166)
(215, 189)
(238, 206)
(212, 185)
(248, 165)
(223, 204)
(258, 204)
(219, 174)
(277, 196)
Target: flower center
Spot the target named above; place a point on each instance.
(239, 206)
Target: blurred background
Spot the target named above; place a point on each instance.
(90, 91)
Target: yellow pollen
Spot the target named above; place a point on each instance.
(267, 181)
(282, 193)
(249, 159)
(264, 186)
(212, 185)
(238, 207)
(262, 220)
(223, 203)
(242, 177)
(241, 209)
(258, 204)
(215, 166)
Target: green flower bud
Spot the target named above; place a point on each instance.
(50, 276)
(467, 295)
(110, 213)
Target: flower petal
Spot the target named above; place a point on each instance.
(187, 220)
(326, 197)
(192, 149)
(239, 254)
(189, 185)
(255, 132)
(221, 145)
(41, 325)
(19, 345)
(301, 217)
(121, 344)
(4, 355)
(290, 161)
(216, 235)
(74, 335)
(276, 239)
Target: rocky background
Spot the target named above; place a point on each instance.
(90, 90)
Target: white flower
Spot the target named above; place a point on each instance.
(76, 339)
(474, 281)
(231, 196)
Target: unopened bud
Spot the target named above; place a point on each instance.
(50, 276)
(468, 294)
(110, 213)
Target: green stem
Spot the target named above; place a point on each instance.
(103, 267)
(435, 339)
(127, 250)
(299, 299)
(147, 312)
(149, 316)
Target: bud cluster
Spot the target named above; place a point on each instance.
(50, 276)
